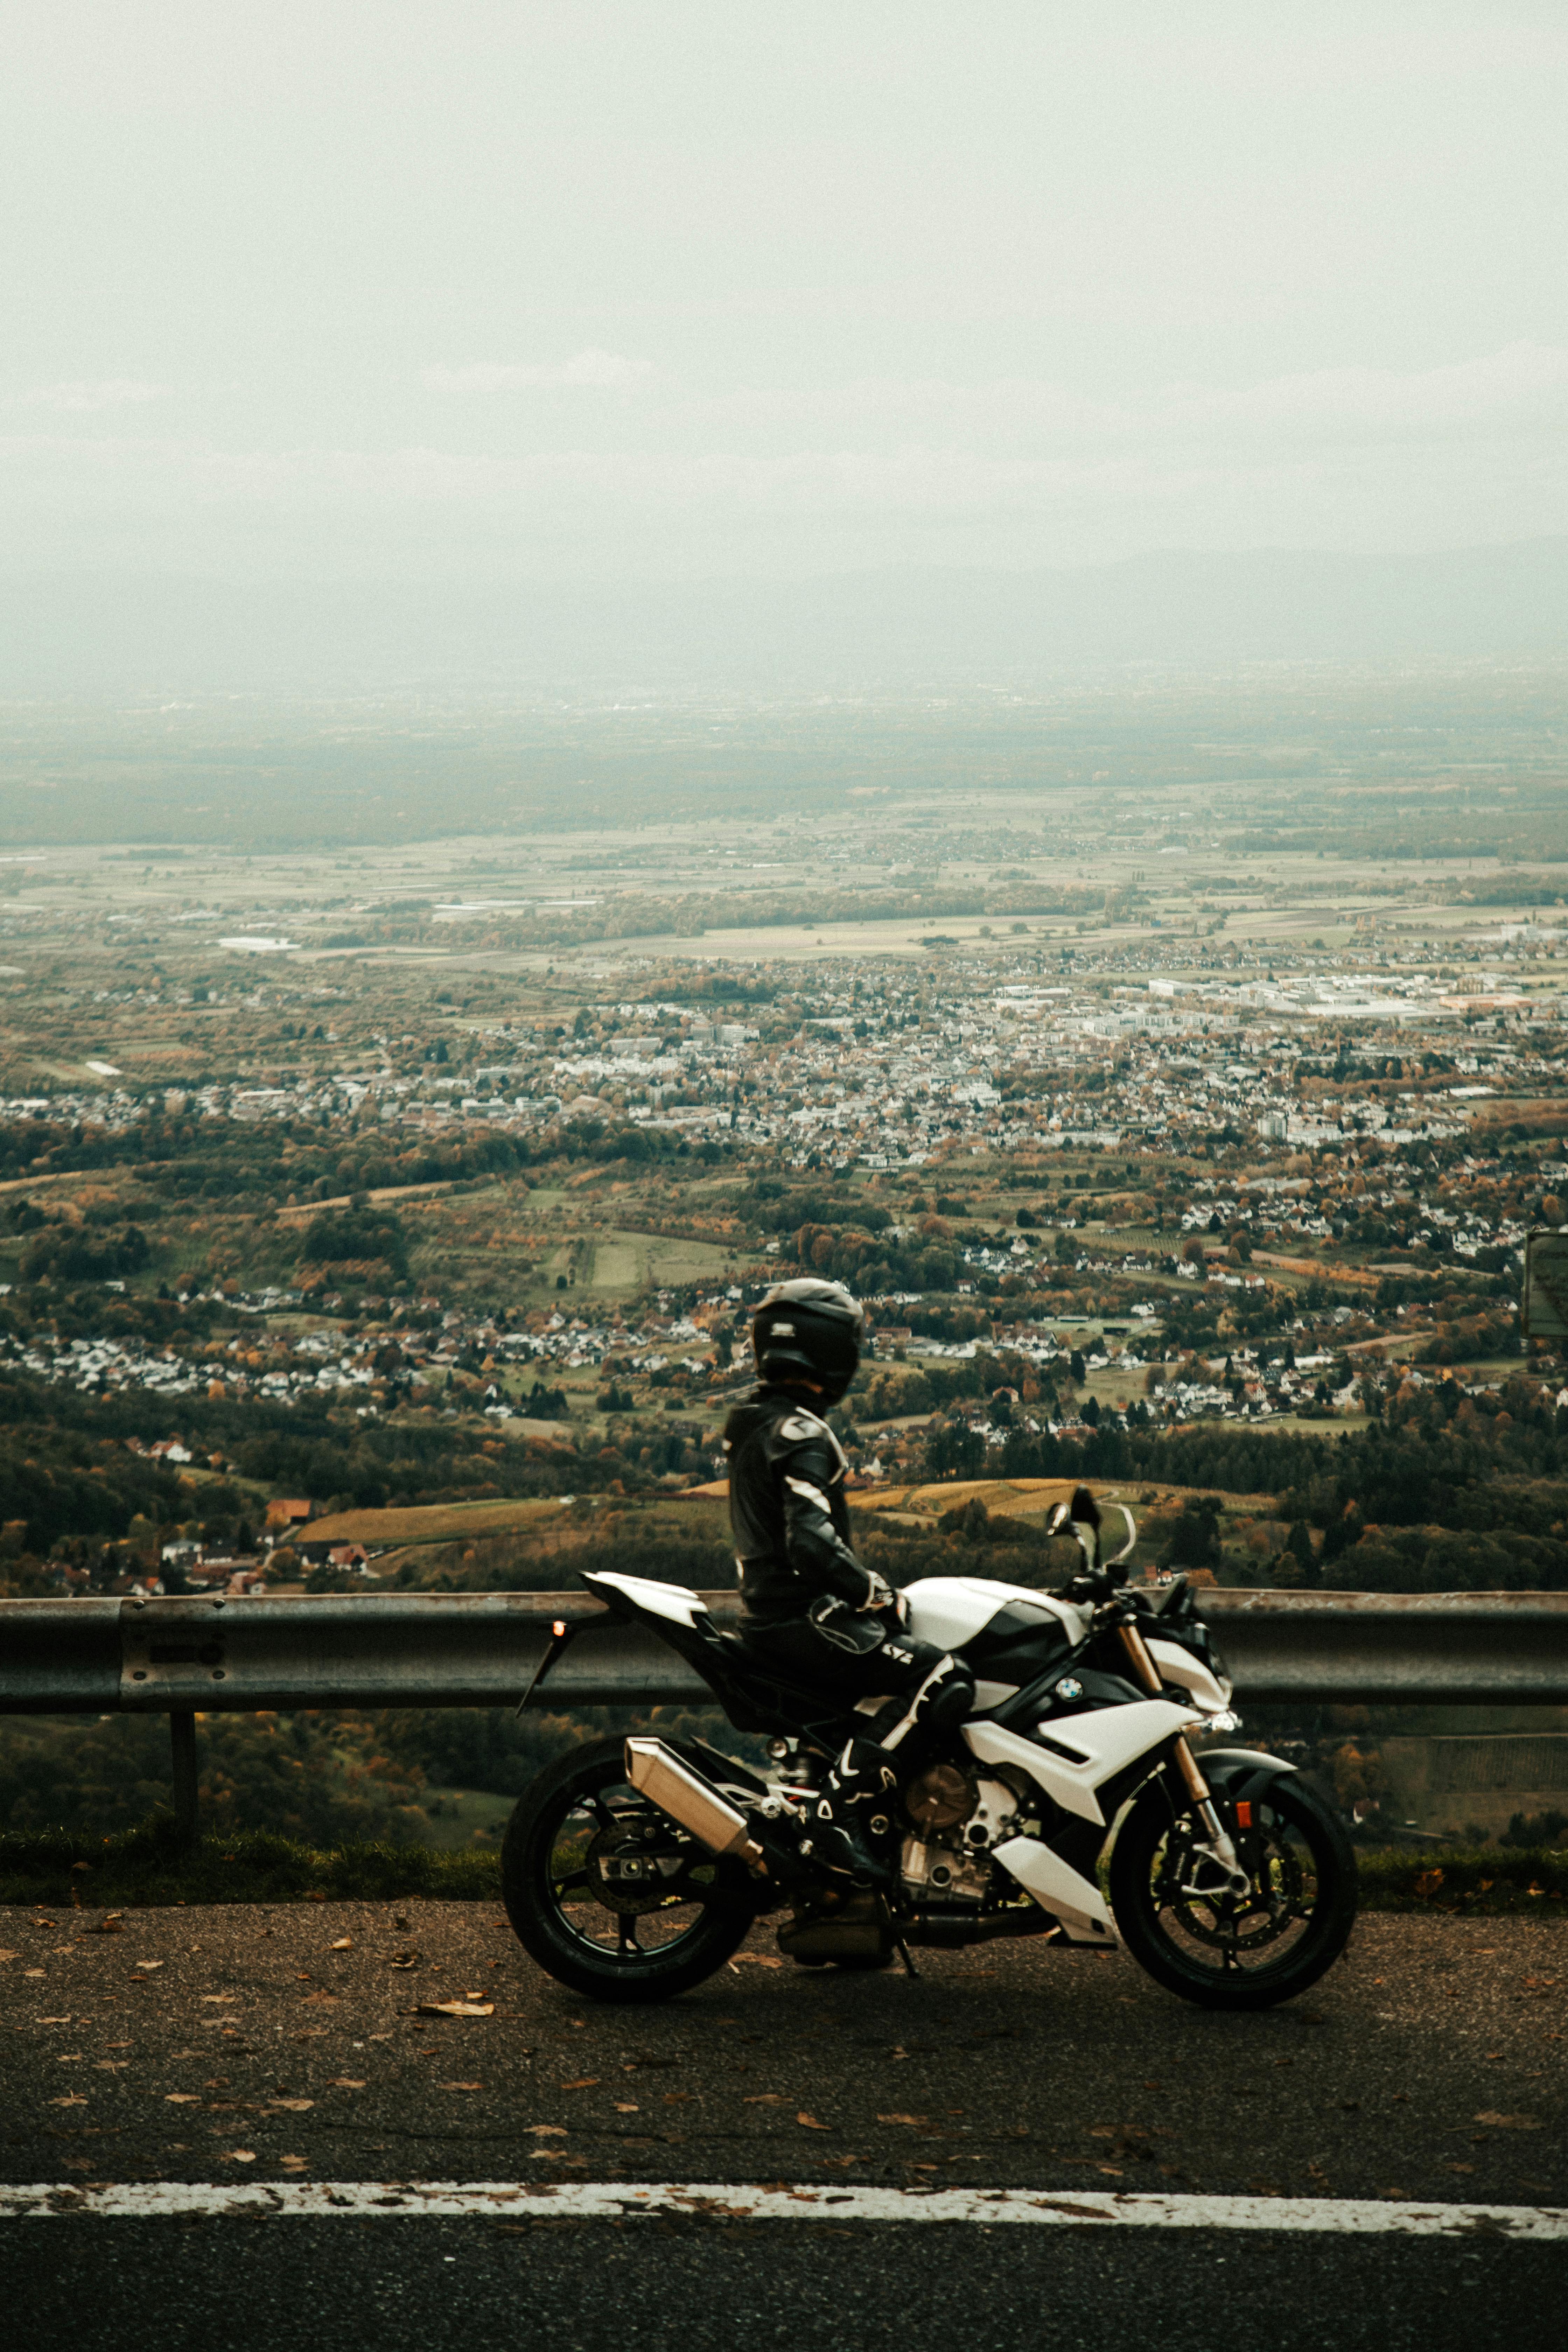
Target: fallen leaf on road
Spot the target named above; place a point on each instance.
(810, 2121)
(52, 2021)
(916, 2120)
(583, 2083)
(7, 1955)
(66, 2057)
(73, 2099)
(293, 2106)
(182, 2098)
(112, 2066)
(1507, 2123)
(294, 2163)
(547, 2131)
(459, 2086)
(346, 2083)
(626, 2107)
(343, 1944)
(767, 2099)
(450, 2007)
(402, 1960)
(758, 1959)
(217, 1996)
(321, 1999)
(32, 1972)
(240, 2156)
(147, 1966)
(112, 1924)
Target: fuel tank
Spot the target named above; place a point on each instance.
(953, 1610)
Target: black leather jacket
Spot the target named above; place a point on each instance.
(787, 1511)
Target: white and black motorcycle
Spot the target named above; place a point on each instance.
(1070, 1804)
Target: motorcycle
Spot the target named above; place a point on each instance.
(1068, 1805)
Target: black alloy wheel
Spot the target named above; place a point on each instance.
(608, 1893)
(1235, 1951)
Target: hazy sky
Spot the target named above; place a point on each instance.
(681, 287)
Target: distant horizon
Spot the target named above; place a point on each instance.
(72, 635)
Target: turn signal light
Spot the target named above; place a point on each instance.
(1244, 1814)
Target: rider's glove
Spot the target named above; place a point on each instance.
(879, 1593)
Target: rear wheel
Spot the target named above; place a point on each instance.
(1226, 1950)
(608, 1895)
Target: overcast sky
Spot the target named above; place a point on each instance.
(684, 287)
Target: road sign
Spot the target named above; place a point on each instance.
(1546, 1285)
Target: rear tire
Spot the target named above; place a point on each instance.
(1224, 1952)
(553, 1888)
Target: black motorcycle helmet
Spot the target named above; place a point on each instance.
(809, 1330)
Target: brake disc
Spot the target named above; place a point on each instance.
(1245, 1924)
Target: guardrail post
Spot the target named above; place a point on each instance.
(183, 1742)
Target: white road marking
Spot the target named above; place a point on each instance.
(403, 2200)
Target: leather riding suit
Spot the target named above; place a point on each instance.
(814, 1615)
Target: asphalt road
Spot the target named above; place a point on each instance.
(228, 2044)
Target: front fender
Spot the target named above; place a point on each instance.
(1242, 1773)
(1233, 1772)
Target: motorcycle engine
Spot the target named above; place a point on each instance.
(957, 1818)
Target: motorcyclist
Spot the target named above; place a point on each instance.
(813, 1614)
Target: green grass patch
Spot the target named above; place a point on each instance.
(146, 1866)
(1486, 1879)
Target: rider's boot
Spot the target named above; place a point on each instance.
(854, 1827)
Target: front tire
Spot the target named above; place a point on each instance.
(608, 1895)
(1224, 1951)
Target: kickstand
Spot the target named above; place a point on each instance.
(902, 1950)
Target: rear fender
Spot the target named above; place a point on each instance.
(643, 1598)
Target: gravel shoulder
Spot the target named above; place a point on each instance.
(241, 2042)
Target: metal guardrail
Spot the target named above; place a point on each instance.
(480, 1649)
(214, 1654)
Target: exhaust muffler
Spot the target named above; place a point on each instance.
(659, 1774)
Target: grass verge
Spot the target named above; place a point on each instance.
(145, 1867)
(1491, 1879)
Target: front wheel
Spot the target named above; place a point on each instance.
(608, 1893)
(1225, 1951)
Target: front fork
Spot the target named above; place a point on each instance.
(1220, 1847)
